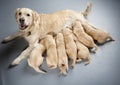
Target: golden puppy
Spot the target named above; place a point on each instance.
(83, 53)
(83, 37)
(97, 34)
(52, 58)
(62, 56)
(70, 45)
(36, 58)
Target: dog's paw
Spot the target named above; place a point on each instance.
(12, 66)
(4, 42)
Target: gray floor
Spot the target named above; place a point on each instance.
(105, 64)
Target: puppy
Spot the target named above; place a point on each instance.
(70, 45)
(97, 34)
(83, 37)
(52, 58)
(62, 56)
(83, 53)
(36, 59)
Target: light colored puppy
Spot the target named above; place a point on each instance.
(52, 58)
(97, 34)
(36, 59)
(70, 45)
(82, 52)
(34, 26)
(83, 37)
(62, 56)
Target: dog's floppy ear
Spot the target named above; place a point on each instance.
(16, 12)
(35, 16)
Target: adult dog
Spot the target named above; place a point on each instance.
(34, 26)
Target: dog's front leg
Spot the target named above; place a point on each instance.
(12, 37)
(22, 56)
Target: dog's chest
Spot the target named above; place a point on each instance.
(31, 37)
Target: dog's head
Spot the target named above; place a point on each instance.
(25, 17)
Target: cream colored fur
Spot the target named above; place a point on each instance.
(70, 45)
(97, 34)
(36, 58)
(36, 26)
(52, 57)
(83, 37)
(62, 56)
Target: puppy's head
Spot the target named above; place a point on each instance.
(66, 31)
(24, 18)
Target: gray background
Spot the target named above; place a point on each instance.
(104, 68)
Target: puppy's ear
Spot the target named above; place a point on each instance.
(16, 12)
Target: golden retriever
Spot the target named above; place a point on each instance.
(34, 26)
(62, 56)
(70, 45)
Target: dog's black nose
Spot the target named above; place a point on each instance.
(21, 20)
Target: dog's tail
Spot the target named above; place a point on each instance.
(87, 10)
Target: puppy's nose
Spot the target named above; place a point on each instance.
(21, 20)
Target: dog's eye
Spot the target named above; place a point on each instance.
(20, 13)
(28, 14)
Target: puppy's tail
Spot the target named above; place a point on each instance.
(87, 10)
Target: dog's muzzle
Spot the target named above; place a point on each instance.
(22, 24)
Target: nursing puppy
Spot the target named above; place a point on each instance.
(36, 59)
(62, 56)
(70, 45)
(83, 37)
(52, 58)
(97, 34)
(34, 26)
(83, 53)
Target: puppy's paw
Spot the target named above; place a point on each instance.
(52, 66)
(78, 60)
(72, 66)
(94, 49)
(87, 62)
(63, 73)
